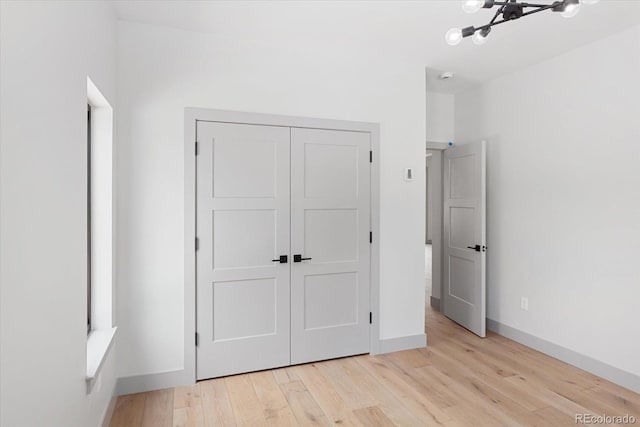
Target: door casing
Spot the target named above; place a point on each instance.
(191, 117)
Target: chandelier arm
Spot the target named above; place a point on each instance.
(540, 9)
(523, 4)
(545, 7)
(535, 5)
(493, 20)
(497, 14)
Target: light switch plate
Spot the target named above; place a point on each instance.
(408, 174)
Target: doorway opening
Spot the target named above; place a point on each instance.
(433, 225)
(428, 241)
(455, 213)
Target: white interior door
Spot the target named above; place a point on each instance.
(242, 225)
(464, 290)
(330, 228)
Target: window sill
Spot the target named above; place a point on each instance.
(99, 342)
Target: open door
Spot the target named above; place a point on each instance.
(464, 290)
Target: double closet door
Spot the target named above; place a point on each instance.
(283, 222)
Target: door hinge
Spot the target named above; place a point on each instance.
(197, 244)
(197, 148)
(197, 339)
(370, 318)
(371, 237)
(370, 156)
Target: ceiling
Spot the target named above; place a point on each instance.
(413, 29)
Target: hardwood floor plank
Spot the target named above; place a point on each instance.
(418, 404)
(471, 415)
(304, 407)
(372, 416)
(482, 397)
(410, 359)
(189, 416)
(129, 411)
(274, 404)
(469, 371)
(621, 401)
(216, 404)
(187, 407)
(542, 391)
(385, 400)
(433, 391)
(326, 396)
(158, 409)
(344, 384)
(555, 416)
(285, 375)
(471, 356)
(247, 409)
(187, 396)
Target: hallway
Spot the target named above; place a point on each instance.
(428, 273)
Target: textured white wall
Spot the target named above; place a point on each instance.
(161, 71)
(47, 50)
(564, 197)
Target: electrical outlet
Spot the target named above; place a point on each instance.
(524, 303)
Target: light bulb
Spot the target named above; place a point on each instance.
(589, 1)
(478, 38)
(472, 6)
(454, 36)
(570, 10)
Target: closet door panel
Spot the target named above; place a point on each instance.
(330, 224)
(242, 225)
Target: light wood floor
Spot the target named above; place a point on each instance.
(459, 380)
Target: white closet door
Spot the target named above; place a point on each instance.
(242, 225)
(330, 220)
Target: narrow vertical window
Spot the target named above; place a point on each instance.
(99, 223)
(89, 218)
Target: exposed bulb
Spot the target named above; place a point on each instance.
(589, 1)
(472, 6)
(478, 38)
(454, 36)
(570, 10)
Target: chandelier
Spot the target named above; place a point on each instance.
(508, 11)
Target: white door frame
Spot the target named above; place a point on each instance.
(191, 117)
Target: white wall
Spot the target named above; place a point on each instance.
(440, 112)
(161, 71)
(564, 197)
(47, 49)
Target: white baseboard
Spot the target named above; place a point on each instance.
(435, 303)
(149, 382)
(586, 363)
(408, 342)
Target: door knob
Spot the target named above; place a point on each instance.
(282, 260)
(478, 248)
(298, 258)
